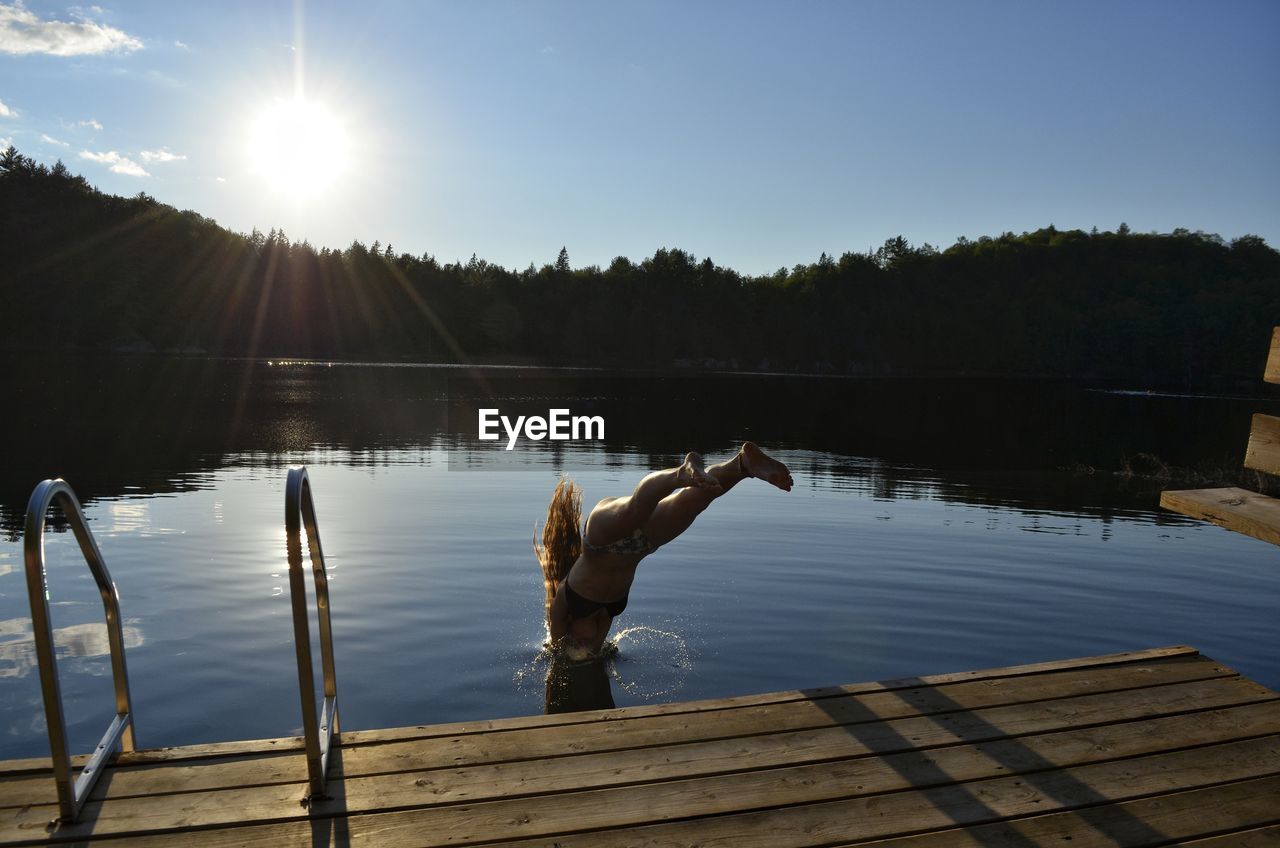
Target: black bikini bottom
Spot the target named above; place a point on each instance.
(580, 607)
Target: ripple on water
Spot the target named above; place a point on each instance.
(644, 664)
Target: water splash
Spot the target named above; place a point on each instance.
(649, 664)
(529, 676)
(646, 663)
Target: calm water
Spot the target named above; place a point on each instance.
(934, 527)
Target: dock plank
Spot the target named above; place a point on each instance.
(1233, 508)
(1262, 837)
(1271, 373)
(1194, 815)
(933, 808)
(884, 765)
(682, 816)
(1263, 451)
(523, 743)
(1164, 747)
(1193, 713)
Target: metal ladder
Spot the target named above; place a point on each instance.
(300, 513)
(318, 730)
(72, 792)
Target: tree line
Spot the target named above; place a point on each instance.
(85, 270)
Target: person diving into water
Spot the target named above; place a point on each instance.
(588, 572)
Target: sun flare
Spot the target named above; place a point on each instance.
(298, 147)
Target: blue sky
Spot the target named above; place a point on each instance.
(758, 134)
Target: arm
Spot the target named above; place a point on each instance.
(558, 617)
(602, 622)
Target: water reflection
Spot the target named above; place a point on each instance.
(903, 543)
(75, 641)
(128, 517)
(158, 425)
(647, 664)
(574, 686)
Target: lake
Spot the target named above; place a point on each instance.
(935, 526)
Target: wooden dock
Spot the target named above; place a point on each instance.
(1239, 509)
(1154, 747)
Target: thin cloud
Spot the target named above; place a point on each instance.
(160, 156)
(161, 78)
(23, 32)
(82, 13)
(6, 112)
(91, 123)
(181, 45)
(48, 139)
(118, 164)
(6, 143)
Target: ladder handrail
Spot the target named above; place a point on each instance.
(72, 795)
(300, 513)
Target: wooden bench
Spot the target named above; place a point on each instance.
(1240, 509)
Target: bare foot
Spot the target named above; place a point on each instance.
(694, 473)
(757, 463)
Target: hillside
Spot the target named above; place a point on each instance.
(84, 270)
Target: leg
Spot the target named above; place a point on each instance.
(616, 518)
(676, 512)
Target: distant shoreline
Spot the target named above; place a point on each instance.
(1241, 391)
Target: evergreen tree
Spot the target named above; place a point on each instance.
(80, 269)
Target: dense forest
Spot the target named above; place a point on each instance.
(84, 270)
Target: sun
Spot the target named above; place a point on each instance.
(298, 147)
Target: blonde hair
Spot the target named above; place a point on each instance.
(561, 537)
